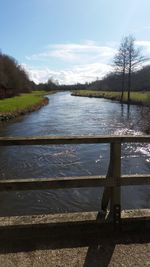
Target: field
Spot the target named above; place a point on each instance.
(21, 102)
(136, 97)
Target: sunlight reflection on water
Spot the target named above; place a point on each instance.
(68, 115)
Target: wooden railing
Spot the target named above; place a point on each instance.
(112, 182)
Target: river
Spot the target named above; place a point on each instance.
(71, 115)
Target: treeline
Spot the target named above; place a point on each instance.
(48, 86)
(52, 85)
(127, 73)
(113, 81)
(13, 78)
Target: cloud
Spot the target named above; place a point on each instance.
(84, 62)
(145, 45)
(77, 74)
(86, 52)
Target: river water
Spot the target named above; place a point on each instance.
(70, 115)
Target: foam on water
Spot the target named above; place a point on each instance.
(140, 148)
(127, 131)
(144, 150)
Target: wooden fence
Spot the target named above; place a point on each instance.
(112, 182)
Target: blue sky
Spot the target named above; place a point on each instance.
(70, 40)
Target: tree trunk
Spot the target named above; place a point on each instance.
(123, 84)
(129, 81)
(129, 86)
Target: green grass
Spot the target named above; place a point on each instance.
(21, 102)
(136, 97)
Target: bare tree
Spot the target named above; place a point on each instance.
(127, 60)
(120, 61)
(135, 59)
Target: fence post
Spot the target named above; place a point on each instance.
(115, 194)
(107, 190)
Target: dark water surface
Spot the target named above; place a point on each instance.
(70, 115)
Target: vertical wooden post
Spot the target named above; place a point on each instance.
(112, 194)
(115, 196)
(107, 190)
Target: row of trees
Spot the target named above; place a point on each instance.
(126, 61)
(113, 81)
(13, 78)
(128, 73)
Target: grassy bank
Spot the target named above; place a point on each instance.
(141, 98)
(22, 104)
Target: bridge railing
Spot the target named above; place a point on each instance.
(112, 182)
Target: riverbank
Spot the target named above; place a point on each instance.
(22, 104)
(138, 98)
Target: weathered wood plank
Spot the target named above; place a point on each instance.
(54, 183)
(70, 182)
(143, 179)
(115, 199)
(112, 194)
(107, 190)
(60, 140)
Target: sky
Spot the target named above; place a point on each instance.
(71, 41)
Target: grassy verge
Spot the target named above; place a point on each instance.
(141, 98)
(19, 105)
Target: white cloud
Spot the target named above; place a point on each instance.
(77, 74)
(84, 62)
(83, 53)
(145, 45)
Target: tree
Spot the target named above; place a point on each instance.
(13, 78)
(127, 60)
(134, 60)
(120, 61)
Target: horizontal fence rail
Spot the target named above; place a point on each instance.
(61, 140)
(111, 182)
(71, 182)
